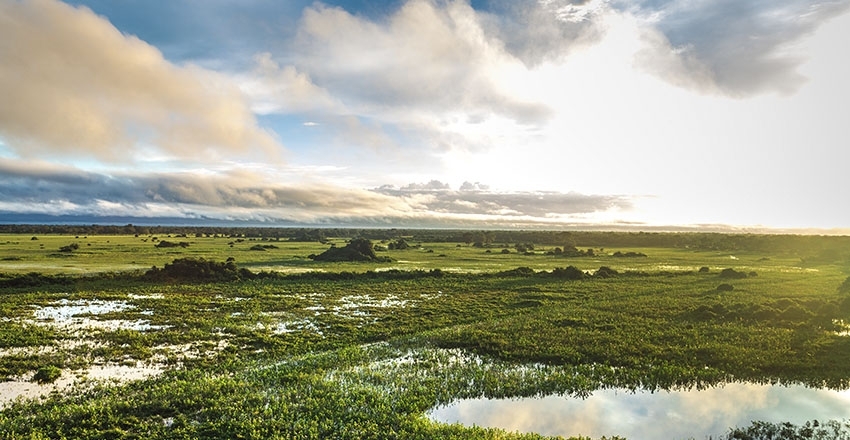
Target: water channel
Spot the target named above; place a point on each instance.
(697, 414)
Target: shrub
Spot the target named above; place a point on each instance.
(199, 269)
(263, 247)
(358, 249)
(732, 274)
(704, 269)
(522, 271)
(47, 374)
(619, 254)
(171, 244)
(605, 272)
(568, 273)
(725, 287)
(69, 248)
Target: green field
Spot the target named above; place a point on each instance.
(310, 349)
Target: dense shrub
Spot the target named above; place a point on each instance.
(732, 274)
(358, 249)
(518, 272)
(605, 272)
(199, 269)
(47, 374)
(398, 245)
(34, 279)
(171, 244)
(619, 254)
(263, 247)
(568, 273)
(69, 248)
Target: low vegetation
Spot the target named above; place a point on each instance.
(356, 344)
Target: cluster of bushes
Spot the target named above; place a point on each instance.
(263, 247)
(785, 311)
(398, 245)
(171, 244)
(358, 250)
(619, 254)
(34, 279)
(732, 274)
(69, 248)
(199, 269)
(565, 273)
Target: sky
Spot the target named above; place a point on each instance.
(608, 114)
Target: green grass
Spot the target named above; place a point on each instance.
(365, 356)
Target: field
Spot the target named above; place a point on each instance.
(299, 348)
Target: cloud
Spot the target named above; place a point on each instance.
(544, 31)
(469, 186)
(744, 47)
(284, 89)
(425, 58)
(74, 85)
(39, 187)
(437, 197)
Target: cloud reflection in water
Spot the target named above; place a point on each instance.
(644, 415)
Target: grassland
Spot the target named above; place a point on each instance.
(363, 350)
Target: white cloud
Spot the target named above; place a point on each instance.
(74, 85)
(425, 64)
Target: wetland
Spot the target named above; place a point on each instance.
(450, 337)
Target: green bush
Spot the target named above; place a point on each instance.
(47, 374)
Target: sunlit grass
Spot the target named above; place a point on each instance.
(367, 355)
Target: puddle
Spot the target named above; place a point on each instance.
(147, 296)
(843, 327)
(70, 380)
(74, 316)
(295, 326)
(353, 302)
(65, 309)
(644, 415)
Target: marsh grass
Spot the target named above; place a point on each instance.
(367, 352)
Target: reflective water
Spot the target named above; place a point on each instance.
(694, 414)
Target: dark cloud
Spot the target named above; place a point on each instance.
(42, 185)
(743, 45)
(538, 31)
(51, 189)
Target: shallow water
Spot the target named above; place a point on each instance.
(643, 415)
(73, 316)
